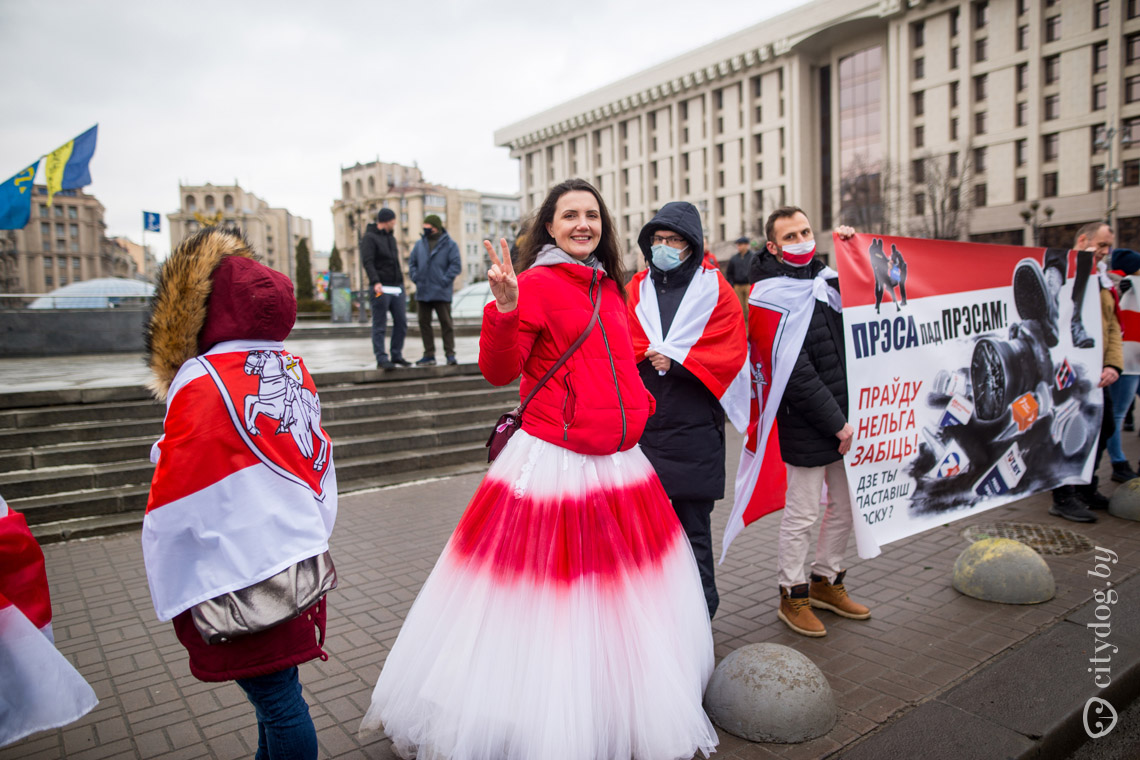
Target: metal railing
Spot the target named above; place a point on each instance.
(115, 300)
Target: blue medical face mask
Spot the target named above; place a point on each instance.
(666, 257)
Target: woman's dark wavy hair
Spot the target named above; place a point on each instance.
(537, 236)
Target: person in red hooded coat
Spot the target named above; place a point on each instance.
(217, 310)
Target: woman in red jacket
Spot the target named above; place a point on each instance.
(565, 618)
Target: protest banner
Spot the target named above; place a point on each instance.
(972, 374)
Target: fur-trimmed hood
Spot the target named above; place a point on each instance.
(252, 302)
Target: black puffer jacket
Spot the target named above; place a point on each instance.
(739, 268)
(684, 439)
(814, 407)
(380, 257)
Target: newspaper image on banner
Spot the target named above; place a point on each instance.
(972, 374)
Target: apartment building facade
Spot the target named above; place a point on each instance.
(367, 188)
(272, 232)
(62, 243)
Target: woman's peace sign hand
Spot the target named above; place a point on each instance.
(504, 284)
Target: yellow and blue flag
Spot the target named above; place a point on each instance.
(16, 199)
(67, 165)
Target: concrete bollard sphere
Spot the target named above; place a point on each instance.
(1125, 501)
(1003, 570)
(770, 693)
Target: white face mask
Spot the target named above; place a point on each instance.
(799, 254)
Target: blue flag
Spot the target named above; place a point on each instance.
(151, 222)
(16, 199)
(67, 165)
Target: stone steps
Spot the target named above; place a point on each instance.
(79, 466)
(86, 433)
(64, 442)
(130, 517)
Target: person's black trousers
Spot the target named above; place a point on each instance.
(442, 309)
(381, 306)
(696, 520)
(1106, 426)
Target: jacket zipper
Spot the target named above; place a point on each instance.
(565, 401)
(613, 370)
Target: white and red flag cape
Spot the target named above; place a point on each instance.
(1130, 325)
(779, 312)
(706, 337)
(39, 688)
(244, 485)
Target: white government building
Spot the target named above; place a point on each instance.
(986, 120)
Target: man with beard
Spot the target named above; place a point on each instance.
(814, 433)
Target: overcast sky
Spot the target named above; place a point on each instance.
(280, 95)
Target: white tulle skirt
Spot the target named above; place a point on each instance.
(564, 619)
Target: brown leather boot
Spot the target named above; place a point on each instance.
(833, 596)
(795, 610)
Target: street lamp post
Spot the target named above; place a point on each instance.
(1110, 174)
(359, 296)
(1029, 216)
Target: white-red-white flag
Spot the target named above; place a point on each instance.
(39, 688)
(244, 485)
(23, 575)
(1130, 325)
(707, 336)
(779, 312)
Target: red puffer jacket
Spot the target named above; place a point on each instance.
(595, 403)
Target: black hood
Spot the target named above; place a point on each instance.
(677, 216)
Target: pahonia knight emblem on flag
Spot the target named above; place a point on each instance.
(274, 407)
(242, 456)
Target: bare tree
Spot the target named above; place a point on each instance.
(769, 201)
(869, 195)
(944, 198)
(9, 264)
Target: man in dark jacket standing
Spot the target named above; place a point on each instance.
(814, 436)
(684, 439)
(433, 267)
(381, 259)
(739, 269)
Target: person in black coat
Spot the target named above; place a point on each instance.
(814, 437)
(381, 259)
(684, 439)
(738, 271)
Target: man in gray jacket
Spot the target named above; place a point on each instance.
(433, 267)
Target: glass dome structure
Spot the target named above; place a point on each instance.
(102, 293)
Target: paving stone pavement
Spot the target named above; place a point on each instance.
(923, 637)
